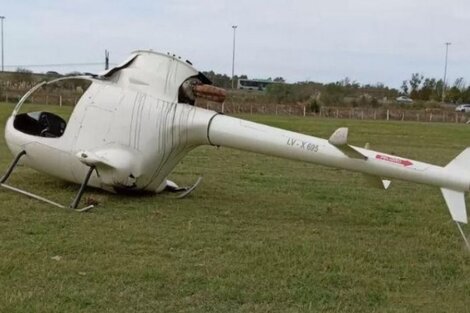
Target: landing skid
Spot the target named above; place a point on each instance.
(74, 203)
(183, 191)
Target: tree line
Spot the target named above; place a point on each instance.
(344, 92)
(423, 88)
(225, 81)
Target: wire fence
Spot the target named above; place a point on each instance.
(68, 98)
(62, 98)
(382, 113)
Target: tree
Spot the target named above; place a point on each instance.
(415, 82)
(222, 80)
(280, 93)
(23, 75)
(23, 70)
(466, 95)
(404, 87)
(427, 90)
(460, 84)
(437, 94)
(453, 95)
(345, 82)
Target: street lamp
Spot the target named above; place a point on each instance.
(2, 18)
(445, 72)
(233, 56)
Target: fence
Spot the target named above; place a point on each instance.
(389, 114)
(66, 98)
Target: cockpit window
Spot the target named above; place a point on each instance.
(44, 124)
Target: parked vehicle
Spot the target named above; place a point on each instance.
(463, 108)
(52, 73)
(404, 99)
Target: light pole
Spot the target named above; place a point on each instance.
(233, 56)
(445, 72)
(2, 18)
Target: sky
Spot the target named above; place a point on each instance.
(369, 41)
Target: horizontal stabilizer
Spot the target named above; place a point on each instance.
(93, 159)
(455, 201)
(377, 182)
(110, 157)
(339, 139)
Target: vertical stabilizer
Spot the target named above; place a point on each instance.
(461, 163)
(455, 201)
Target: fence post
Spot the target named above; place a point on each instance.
(6, 96)
(403, 116)
(362, 114)
(375, 114)
(276, 109)
(47, 99)
(251, 109)
(337, 113)
(304, 111)
(388, 114)
(60, 100)
(430, 117)
(417, 117)
(223, 106)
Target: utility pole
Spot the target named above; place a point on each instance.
(233, 57)
(445, 72)
(106, 59)
(1, 19)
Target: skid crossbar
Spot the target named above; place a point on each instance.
(74, 203)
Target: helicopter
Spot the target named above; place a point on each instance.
(138, 120)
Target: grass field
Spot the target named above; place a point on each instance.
(260, 234)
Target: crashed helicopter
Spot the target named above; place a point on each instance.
(138, 120)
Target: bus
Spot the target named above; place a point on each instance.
(253, 84)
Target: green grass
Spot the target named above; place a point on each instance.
(260, 234)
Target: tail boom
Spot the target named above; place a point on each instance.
(249, 136)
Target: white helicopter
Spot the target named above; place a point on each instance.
(126, 133)
(138, 120)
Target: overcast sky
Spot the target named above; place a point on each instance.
(367, 40)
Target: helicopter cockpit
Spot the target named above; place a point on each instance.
(44, 124)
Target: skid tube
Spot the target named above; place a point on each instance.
(74, 203)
